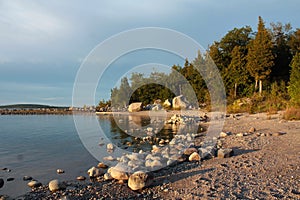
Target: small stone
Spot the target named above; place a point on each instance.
(94, 172)
(240, 134)
(81, 178)
(252, 130)
(102, 165)
(279, 133)
(60, 171)
(194, 157)
(34, 184)
(10, 179)
(56, 185)
(107, 176)
(140, 180)
(225, 153)
(27, 178)
(189, 151)
(110, 147)
(109, 158)
(223, 134)
(1, 182)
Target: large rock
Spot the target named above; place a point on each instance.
(56, 185)
(140, 180)
(118, 173)
(135, 107)
(180, 102)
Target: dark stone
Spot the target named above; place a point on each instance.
(10, 179)
(1, 182)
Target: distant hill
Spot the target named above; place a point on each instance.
(31, 106)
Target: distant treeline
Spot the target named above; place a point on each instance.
(263, 64)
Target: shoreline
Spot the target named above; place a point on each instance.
(269, 161)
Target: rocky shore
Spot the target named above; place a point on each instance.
(255, 157)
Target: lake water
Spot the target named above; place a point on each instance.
(37, 145)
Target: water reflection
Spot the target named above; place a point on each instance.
(127, 131)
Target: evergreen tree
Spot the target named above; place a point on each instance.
(236, 72)
(294, 84)
(260, 57)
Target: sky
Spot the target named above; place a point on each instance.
(44, 43)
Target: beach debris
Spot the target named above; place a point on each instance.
(139, 180)
(94, 172)
(34, 184)
(1, 182)
(225, 153)
(56, 185)
(60, 171)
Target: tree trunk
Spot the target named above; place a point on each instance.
(235, 89)
(256, 84)
(260, 87)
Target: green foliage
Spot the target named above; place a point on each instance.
(294, 84)
(260, 56)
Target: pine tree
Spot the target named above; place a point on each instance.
(260, 57)
(236, 72)
(294, 85)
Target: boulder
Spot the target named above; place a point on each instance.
(135, 107)
(140, 180)
(95, 172)
(102, 165)
(180, 102)
(118, 173)
(225, 153)
(56, 185)
(194, 157)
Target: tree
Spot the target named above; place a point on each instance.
(294, 41)
(282, 51)
(260, 58)
(236, 72)
(294, 84)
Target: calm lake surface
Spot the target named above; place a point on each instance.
(37, 145)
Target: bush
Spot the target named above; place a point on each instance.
(292, 113)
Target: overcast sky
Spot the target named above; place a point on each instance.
(43, 43)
